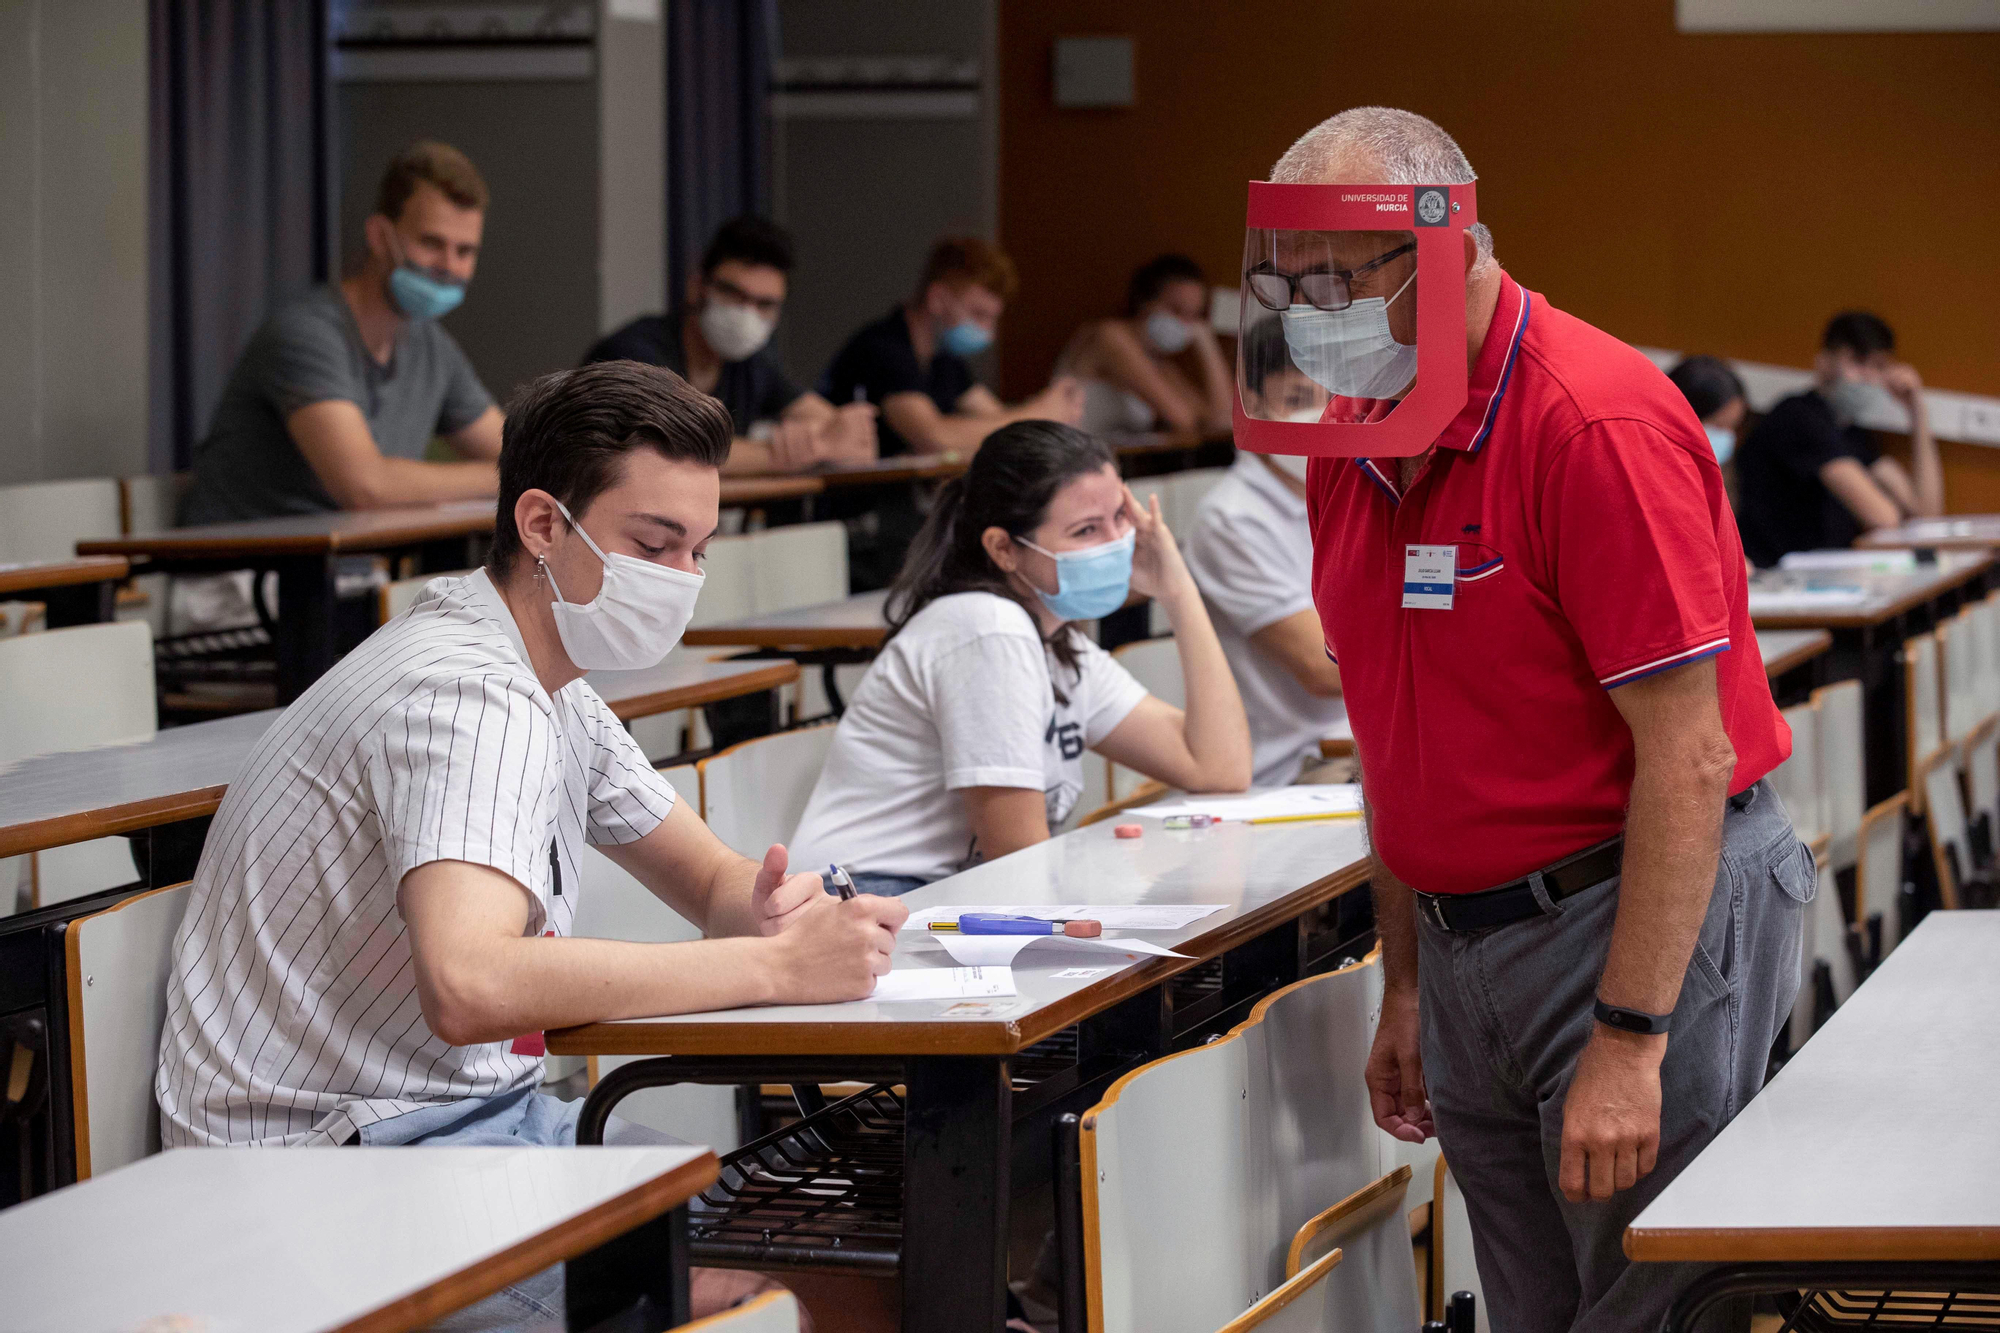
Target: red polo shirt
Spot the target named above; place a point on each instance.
(1595, 547)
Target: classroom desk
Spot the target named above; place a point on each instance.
(1794, 661)
(1869, 626)
(76, 592)
(375, 1239)
(852, 622)
(987, 1080)
(1874, 1147)
(893, 469)
(1960, 532)
(685, 681)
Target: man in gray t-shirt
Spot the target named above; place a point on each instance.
(335, 400)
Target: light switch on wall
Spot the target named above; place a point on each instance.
(1093, 71)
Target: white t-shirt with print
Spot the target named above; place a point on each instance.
(964, 696)
(1251, 555)
(292, 1010)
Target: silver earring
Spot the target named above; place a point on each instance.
(541, 569)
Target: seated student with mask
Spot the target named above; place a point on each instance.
(337, 396)
(1716, 395)
(1809, 478)
(965, 740)
(1159, 365)
(720, 342)
(1250, 552)
(379, 927)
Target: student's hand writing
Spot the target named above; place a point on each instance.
(1157, 567)
(837, 950)
(798, 445)
(853, 433)
(780, 900)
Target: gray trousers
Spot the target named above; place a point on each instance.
(1506, 1012)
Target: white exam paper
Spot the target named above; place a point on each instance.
(1000, 950)
(1169, 916)
(942, 983)
(1332, 798)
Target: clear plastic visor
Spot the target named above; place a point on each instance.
(1328, 328)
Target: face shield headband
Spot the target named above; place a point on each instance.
(1315, 333)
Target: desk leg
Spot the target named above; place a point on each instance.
(80, 604)
(958, 1140)
(1874, 656)
(639, 1279)
(306, 643)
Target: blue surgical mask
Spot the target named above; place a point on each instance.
(1722, 440)
(420, 296)
(966, 338)
(1090, 583)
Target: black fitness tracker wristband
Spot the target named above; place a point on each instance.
(1631, 1020)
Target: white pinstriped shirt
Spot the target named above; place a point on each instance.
(292, 1012)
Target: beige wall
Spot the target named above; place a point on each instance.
(73, 399)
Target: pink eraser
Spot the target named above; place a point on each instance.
(1129, 831)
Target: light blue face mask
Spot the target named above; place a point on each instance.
(1090, 583)
(420, 296)
(1721, 440)
(966, 339)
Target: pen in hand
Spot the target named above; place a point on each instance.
(842, 884)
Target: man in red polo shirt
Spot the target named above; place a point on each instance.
(1589, 901)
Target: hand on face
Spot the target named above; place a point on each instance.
(1157, 566)
(1902, 380)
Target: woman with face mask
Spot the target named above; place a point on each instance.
(1716, 396)
(967, 739)
(1158, 366)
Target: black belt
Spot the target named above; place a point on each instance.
(1516, 901)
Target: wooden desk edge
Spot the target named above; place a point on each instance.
(943, 1036)
(1799, 656)
(64, 574)
(776, 637)
(1811, 1244)
(612, 1218)
(167, 546)
(42, 834)
(769, 676)
(1942, 584)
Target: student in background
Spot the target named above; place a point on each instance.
(1250, 552)
(338, 394)
(1716, 395)
(966, 739)
(719, 341)
(1809, 476)
(1160, 363)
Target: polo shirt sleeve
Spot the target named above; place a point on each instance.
(1239, 567)
(463, 773)
(628, 797)
(1632, 546)
(991, 702)
(465, 398)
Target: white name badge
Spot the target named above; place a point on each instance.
(1429, 574)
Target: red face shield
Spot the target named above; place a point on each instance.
(1352, 337)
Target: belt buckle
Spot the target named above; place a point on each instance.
(1436, 906)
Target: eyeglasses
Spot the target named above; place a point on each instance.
(763, 305)
(1324, 289)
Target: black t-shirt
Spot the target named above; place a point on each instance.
(1781, 503)
(753, 389)
(880, 361)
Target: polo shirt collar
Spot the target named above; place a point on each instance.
(1491, 374)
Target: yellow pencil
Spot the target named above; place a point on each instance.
(1303, 819)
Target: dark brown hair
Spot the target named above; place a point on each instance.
(568, 433)
(968, 259)
(428, 162)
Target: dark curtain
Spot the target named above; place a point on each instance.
(718, 129)
(241, 197)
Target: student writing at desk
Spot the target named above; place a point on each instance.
(720, 341)
(379, 926)
(965, 741)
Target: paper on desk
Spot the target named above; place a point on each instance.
(1888, 561)
(943, 983)
(1774, 600)
(1000, 950)
(1333, 798)
(1165, 916)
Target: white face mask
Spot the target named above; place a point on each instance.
(636, 618)
(1167, 334)
(1351, 352)
(1292, 464)
(734, 331)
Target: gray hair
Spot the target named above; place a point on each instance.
(1391, 147)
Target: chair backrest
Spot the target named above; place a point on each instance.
(1842, 766)
(151, 503)
(67, 688)
(1375, 1285)
(1315, 1137)
(773, 1312)
(1944, 817)
(1453, 1266)
(729, 581)
(1986, 632)
(1958, 661)
(1156, 664)
(44, 520)
(1171, 1233)
(1830, 931)
(118, 964)
(1878, 870)
(1922, 706)
(399, 595)
(754, 794)
(1303, 1304)
(1798, 778)
(799, 564)
(1982, 774)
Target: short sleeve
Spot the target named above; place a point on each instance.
(992, 702)
(307, 361)
(465, 398)
(465, 773)
(886, 366)
(628, 797)
(1239, 568)
(1632, 543)
(1106, 693)
(641, 340)
(1807, 439)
